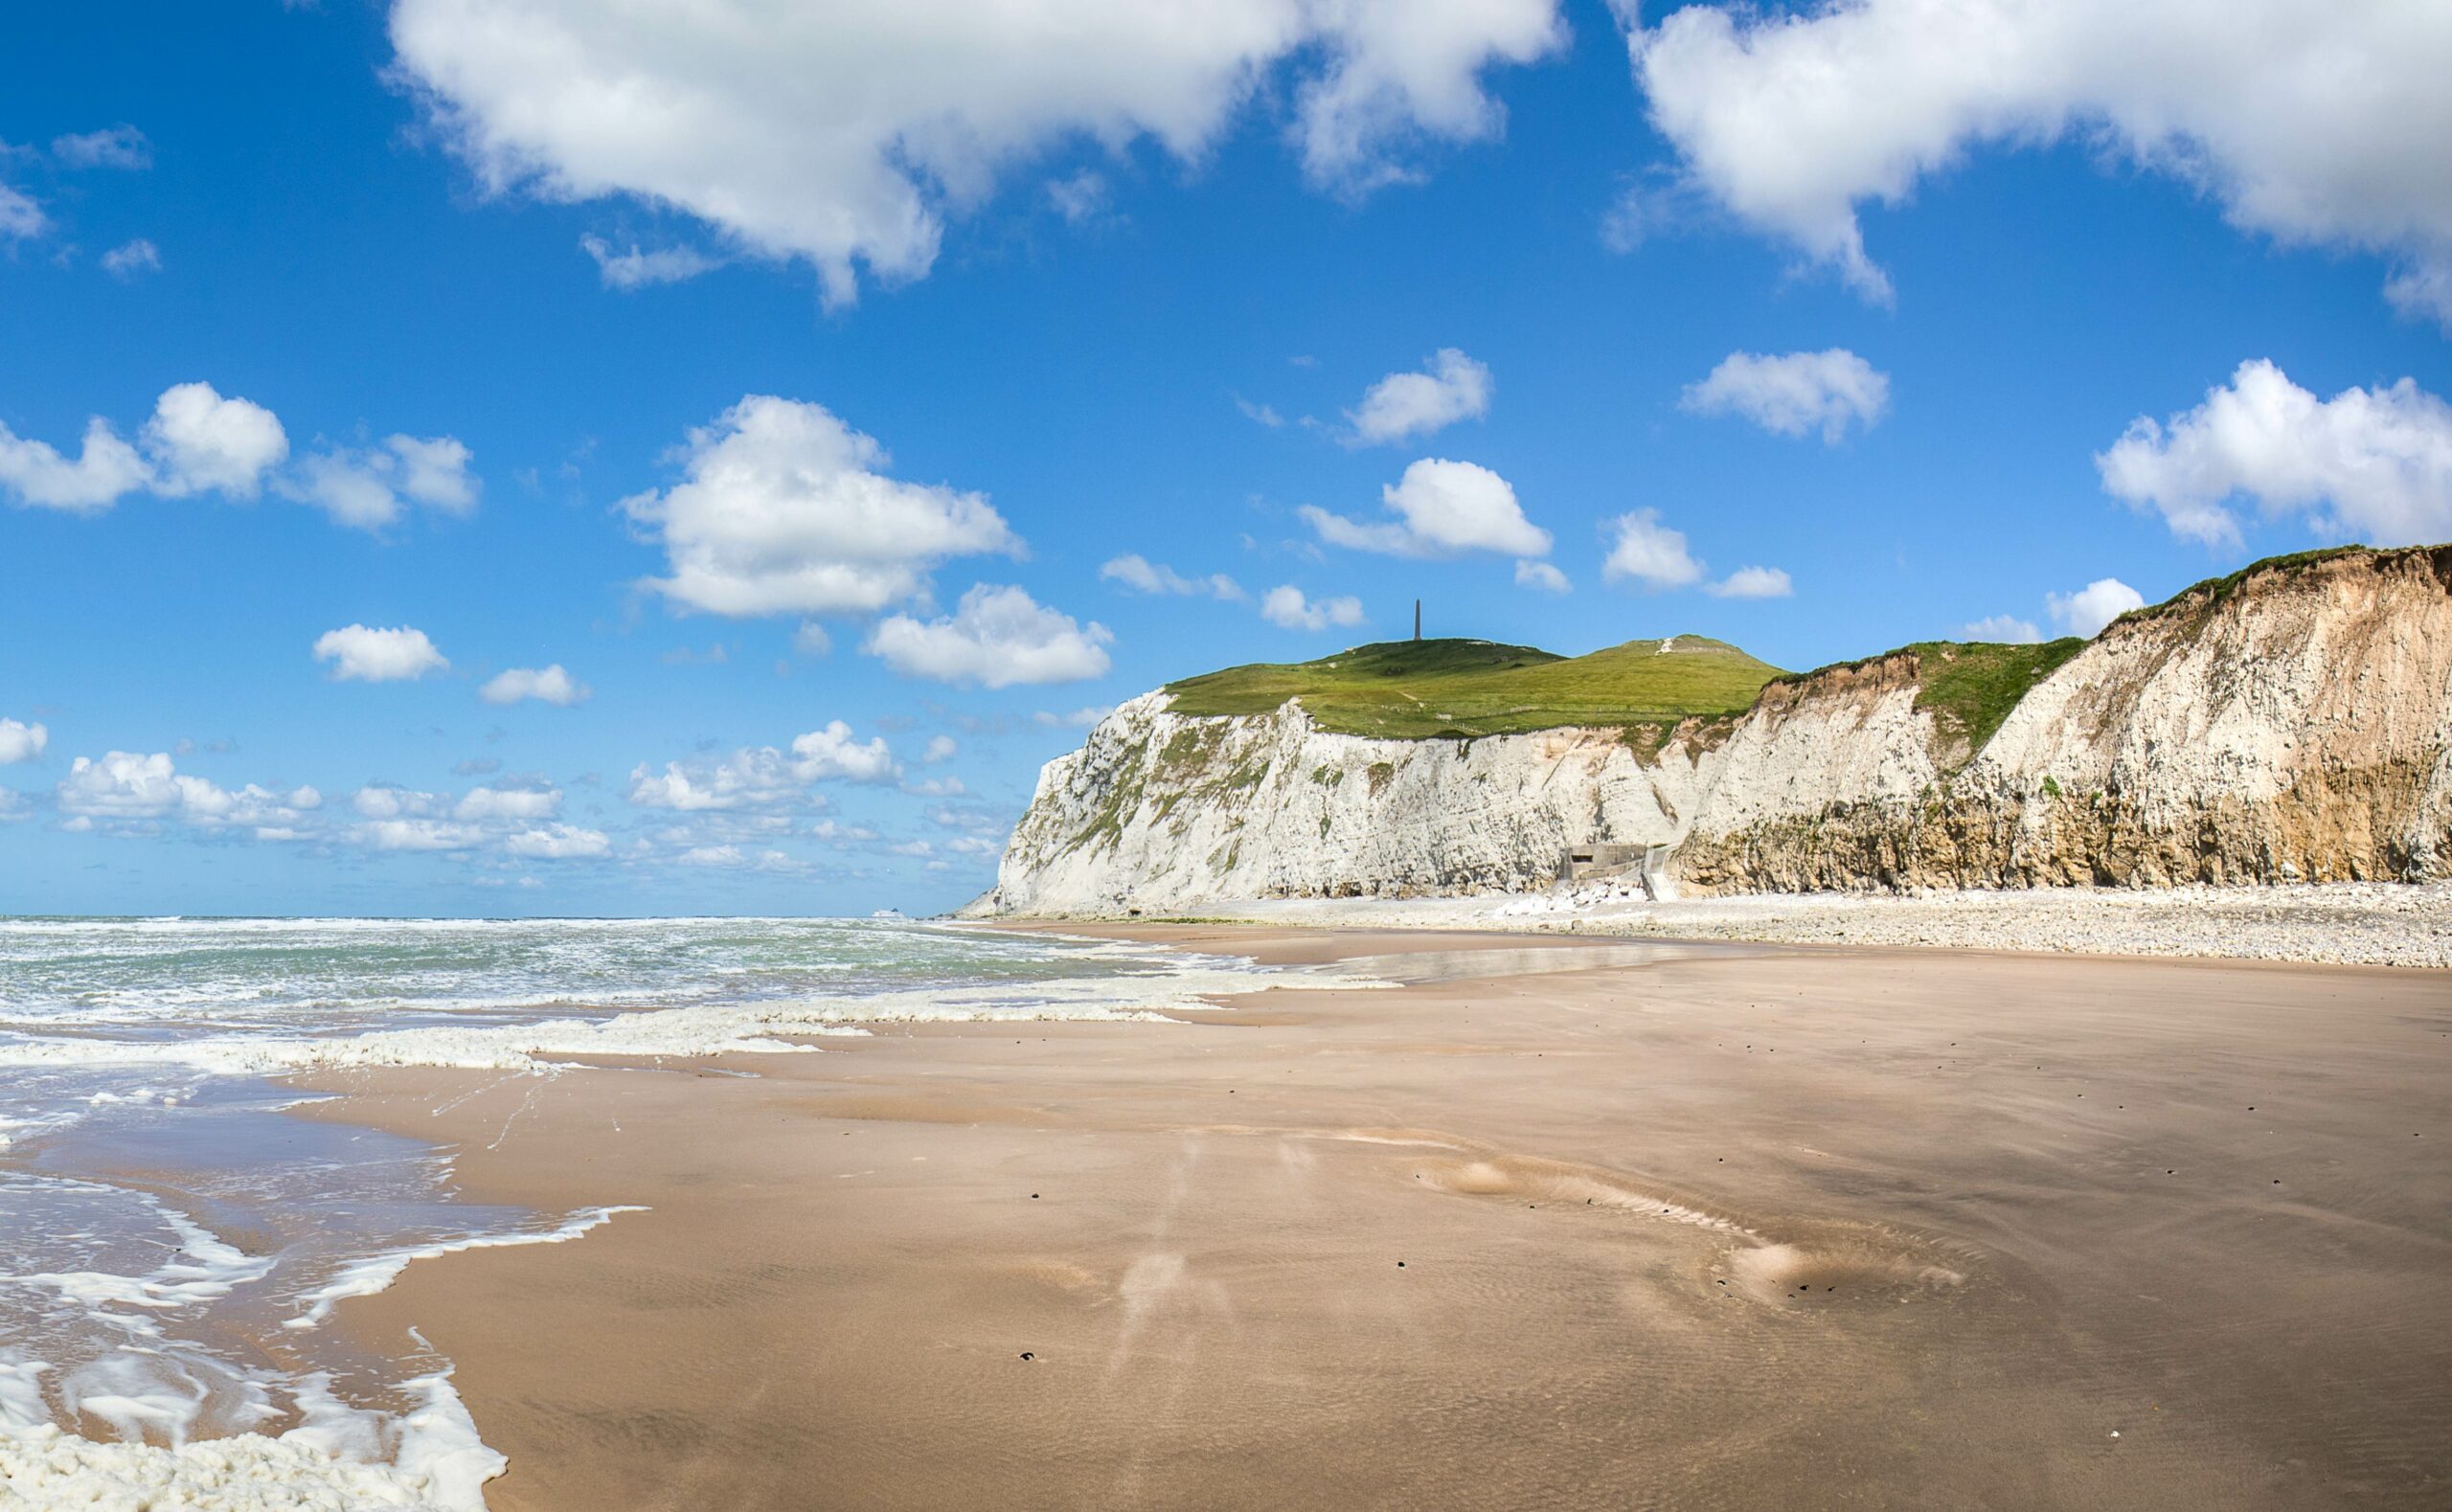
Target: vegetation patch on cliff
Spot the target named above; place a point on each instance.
(1419, 689)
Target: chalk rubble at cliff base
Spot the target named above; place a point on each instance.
(2351, 923)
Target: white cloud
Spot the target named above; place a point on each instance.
(558, 842)
(196, 441)
(200, 441)
(1542, 575)
(762, 777)
(105, 470)
(2094, 606)
(1081, 718)
(785, 511)
(1451, 387)
(1079, 197)
(417, 835)
(492, 805)
(550, 685)
(845, 134)
(2371, 464)
(366, 489)
(368, 655)
(1285, 605)
(1792, 119)
(21, 219)
(941, 748)
(642, 266)
(754, 776)
(811, 640)
(120, 146)
(130, 259)
(996, 638)
(1260, 414)
(711, 856)
(1794, 394)
(1643, 551)
(124, 787)
(1753, 582)
(2004, 628)
(1443, 509)
(831, 753)
(1143, 576)
(20, 741)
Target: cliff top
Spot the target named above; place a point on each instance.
(1418, 690)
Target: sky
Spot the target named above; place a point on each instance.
(480, 457)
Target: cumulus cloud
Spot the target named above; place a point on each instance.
(20, 741)
(2371, 464)
(1753, 582)
(1443, 509)
(361, 653)
(104, 470)
(202, 442)
(1143, 576)
(1451, 387)
(784, 509)
(762, 777)
(121, 789)
(843, 135)
(1285, 605)
(120, 146)
(368, 488)
(1541, 576)
(1081, 718)
(2007, 630)
(550, 685)
(831, 753)
(997, 637)
(1792, 119)
(1796, 393)
(1647, 553)
(485, 804)
(558, 842)
(21, 219)
(130, 259)
(638, 267)
(941, 748)
(2094, 606)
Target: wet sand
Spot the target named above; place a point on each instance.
(1736, 1227)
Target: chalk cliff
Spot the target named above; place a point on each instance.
(2291, 722)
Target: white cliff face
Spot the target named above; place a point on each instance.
(2297, 727)
(1161, 810)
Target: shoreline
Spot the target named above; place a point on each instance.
(842, 1263)
(2396, 924)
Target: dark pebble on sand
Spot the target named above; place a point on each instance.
(1026, 1354)
(1400, 1265)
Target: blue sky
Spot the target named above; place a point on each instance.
(1067, 297)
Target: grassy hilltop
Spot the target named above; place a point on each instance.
(1415, 690)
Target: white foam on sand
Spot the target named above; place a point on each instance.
(377, 1272)
(338, 1459)
(696, 1029)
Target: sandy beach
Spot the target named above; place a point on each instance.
(1559, 1223)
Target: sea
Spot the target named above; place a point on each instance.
(174, 1241)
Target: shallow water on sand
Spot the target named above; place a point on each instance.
(172, 1242)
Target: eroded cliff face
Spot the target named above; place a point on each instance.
(1160, 810)
(2293, 724)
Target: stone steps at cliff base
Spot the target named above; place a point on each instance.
(2290, 722)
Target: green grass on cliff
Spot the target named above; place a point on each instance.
(1418, 690)
(1969, 686)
